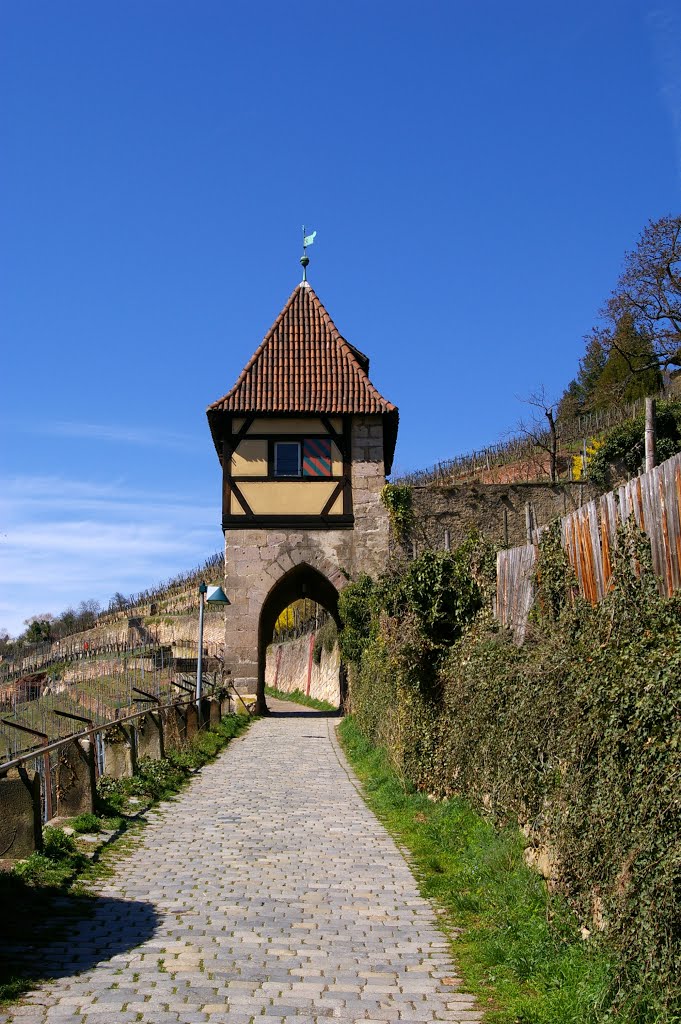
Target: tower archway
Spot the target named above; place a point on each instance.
(301, 581)
(305, 441)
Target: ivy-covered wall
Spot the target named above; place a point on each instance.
(575, 736)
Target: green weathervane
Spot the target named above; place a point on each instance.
(304, 259)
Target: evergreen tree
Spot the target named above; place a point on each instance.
(630, 370)
(577, 397)
(591, 366)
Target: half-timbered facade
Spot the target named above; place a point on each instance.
(284, 432)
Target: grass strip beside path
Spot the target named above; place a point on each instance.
(518, 949)
(298, 697)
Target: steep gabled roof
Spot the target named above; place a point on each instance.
(304, 365)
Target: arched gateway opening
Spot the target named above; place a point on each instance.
(303, 581)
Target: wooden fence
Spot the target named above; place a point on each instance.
(589, 538)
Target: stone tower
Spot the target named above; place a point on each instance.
(305, 441)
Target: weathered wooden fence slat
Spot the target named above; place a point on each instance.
(515, 587)
(589, 539)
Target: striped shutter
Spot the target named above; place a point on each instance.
(317, 457)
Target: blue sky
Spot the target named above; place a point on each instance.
(475, 173)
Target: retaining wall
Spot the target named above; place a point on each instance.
(131, 633)
(148, 734)
(500, 512)
(288, 665)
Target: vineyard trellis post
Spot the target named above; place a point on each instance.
(650, 434)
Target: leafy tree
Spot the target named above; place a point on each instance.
(39, 629)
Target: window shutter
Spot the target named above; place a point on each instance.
(317, 457)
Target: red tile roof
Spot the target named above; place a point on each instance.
(304, 365)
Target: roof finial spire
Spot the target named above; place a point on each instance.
(305, 259)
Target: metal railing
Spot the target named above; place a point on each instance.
(100, 688)
(45, 759)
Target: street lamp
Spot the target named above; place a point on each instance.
(215, 595)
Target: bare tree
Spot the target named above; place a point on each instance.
(649, 292)
(541, 428)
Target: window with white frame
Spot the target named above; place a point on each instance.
(287, 458)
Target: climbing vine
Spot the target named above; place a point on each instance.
(397, 499)
(325, 639)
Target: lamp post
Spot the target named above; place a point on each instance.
(215, 595)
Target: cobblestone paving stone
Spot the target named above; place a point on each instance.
(266, 891)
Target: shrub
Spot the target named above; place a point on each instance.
(357, 609)
(55, 865)
(86, 823)
(438, 589)
(57, 845)
(157, 777)
(111, 794)
(325, 640)
(625, 444)
(398, 500)
(39, 870)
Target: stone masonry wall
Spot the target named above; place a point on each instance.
(257, 559)
(460, 508)
(287, 669)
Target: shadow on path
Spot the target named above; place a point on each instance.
(278, 708)
(71, 934)
(299, 712)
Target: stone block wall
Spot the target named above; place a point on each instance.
(76, 778)
(497, 511)
(287, 669)
(148, 735)
(20, 824)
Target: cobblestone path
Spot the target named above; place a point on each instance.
(266, 891)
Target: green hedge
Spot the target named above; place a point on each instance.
(576, 735)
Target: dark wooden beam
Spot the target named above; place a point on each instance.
(293, 522)
(347, 466)
(338, 489)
